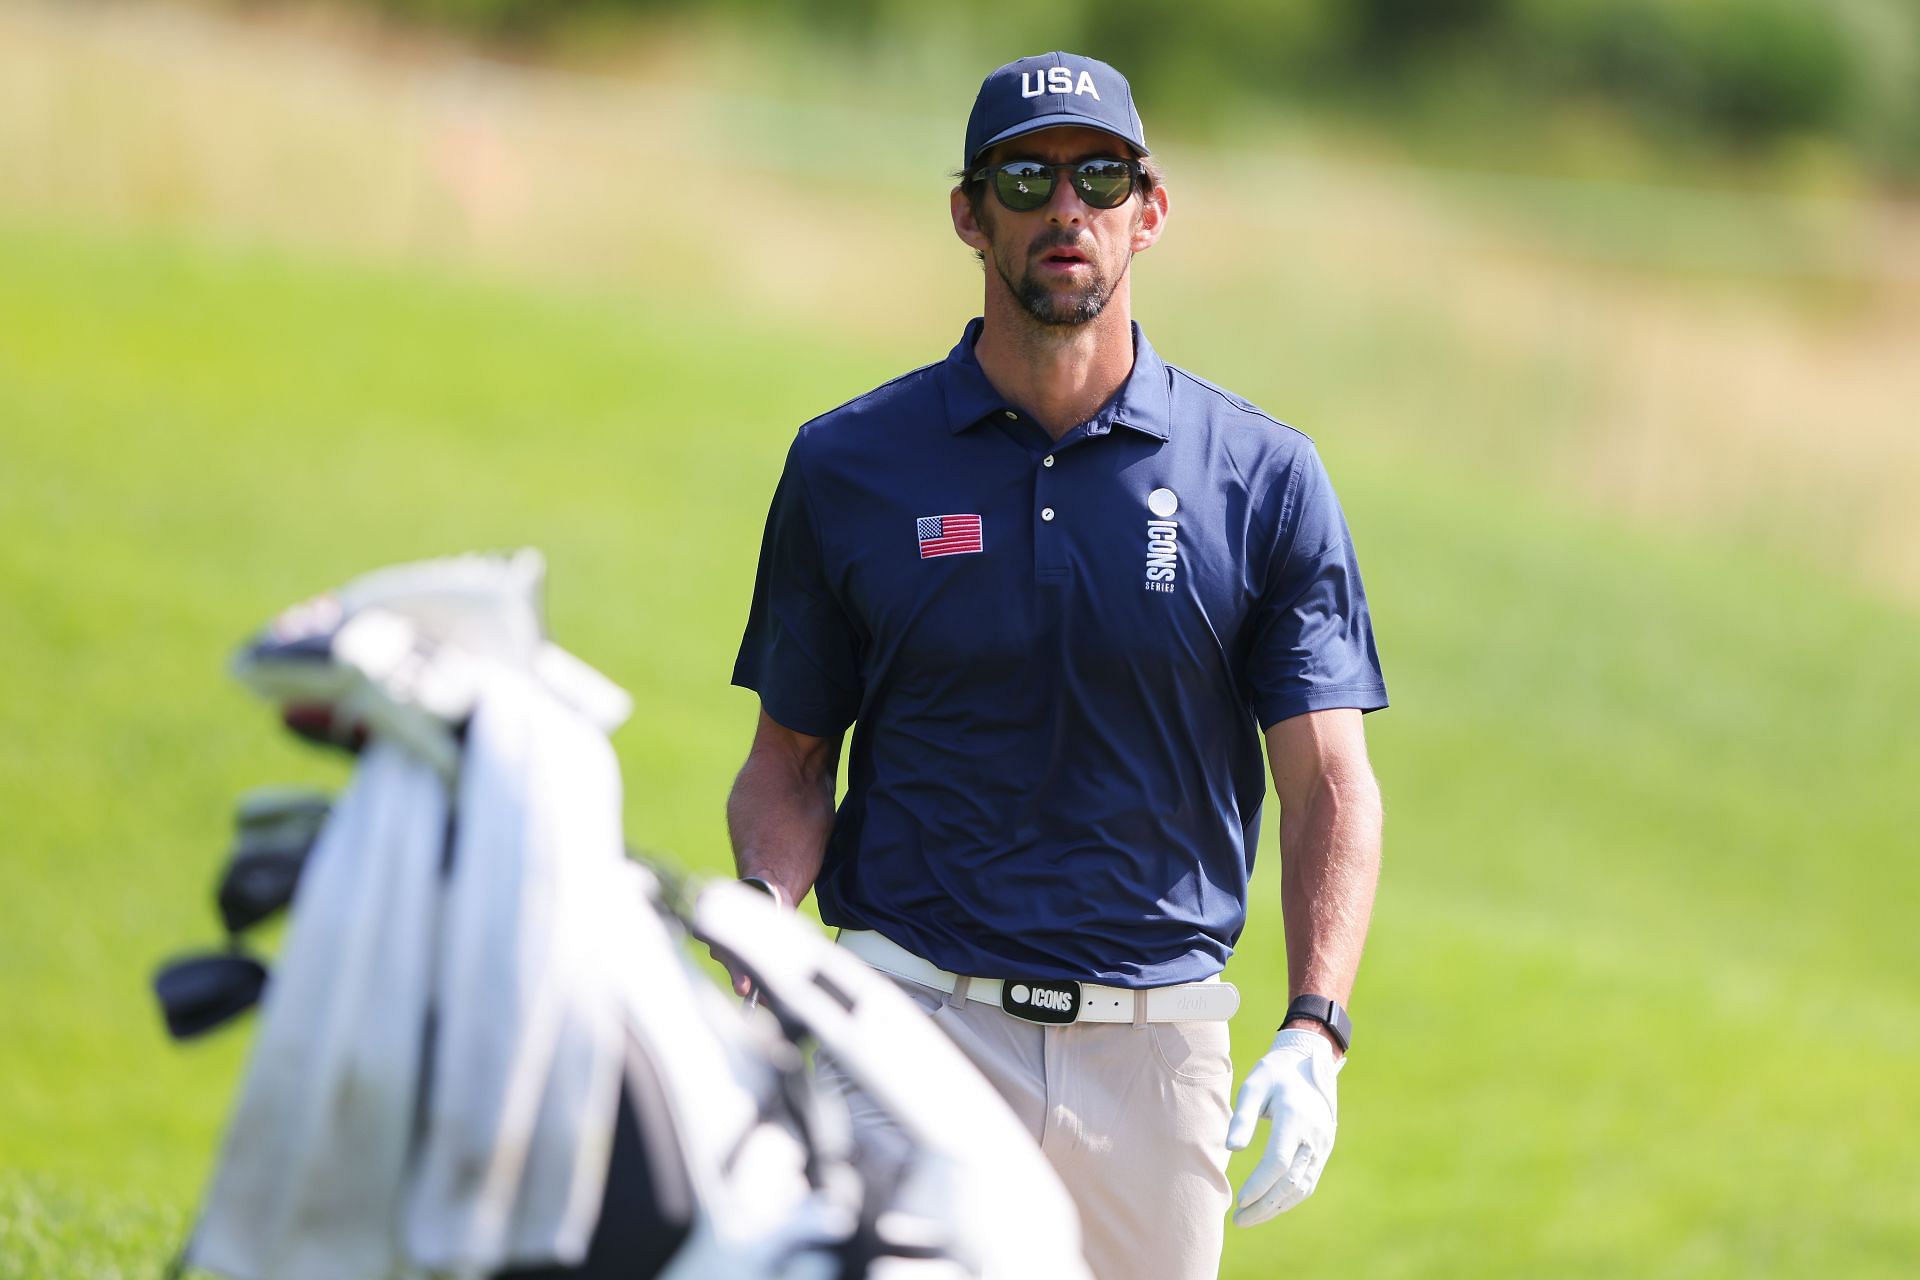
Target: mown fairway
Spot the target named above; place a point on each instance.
(1641, 998)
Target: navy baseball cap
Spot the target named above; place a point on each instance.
(1052, 89)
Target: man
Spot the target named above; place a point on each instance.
(1058, 587)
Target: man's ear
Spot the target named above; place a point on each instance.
(965, 225)
(1152, 219)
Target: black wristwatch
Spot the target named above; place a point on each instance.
(1327, 1012)
(763, 885)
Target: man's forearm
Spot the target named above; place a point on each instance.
(1330, 866)
(779, 815)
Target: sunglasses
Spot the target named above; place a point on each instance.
(1026, 185)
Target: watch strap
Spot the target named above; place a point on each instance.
(765, 886)
(1326, 1011)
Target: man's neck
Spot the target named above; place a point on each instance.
(1060, 374)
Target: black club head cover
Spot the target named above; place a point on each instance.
(201, 992)
(276, 831)
(257, 885)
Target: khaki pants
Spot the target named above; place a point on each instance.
(1132, 1118)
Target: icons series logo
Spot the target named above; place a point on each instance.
(1163, 540)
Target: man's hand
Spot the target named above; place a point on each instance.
(1293, 1087)
(736, 974)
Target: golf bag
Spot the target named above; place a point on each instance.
(484, 1048)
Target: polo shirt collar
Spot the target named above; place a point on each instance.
(1143, 403)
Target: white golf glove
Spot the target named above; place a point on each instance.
(1293, 1087)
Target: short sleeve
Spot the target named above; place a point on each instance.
(1312, 636)
(800, 652)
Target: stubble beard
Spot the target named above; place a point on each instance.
(1051, 307)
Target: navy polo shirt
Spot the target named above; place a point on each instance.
(1057, 659)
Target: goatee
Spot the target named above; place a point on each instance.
(1053, 308)
(1050, 308)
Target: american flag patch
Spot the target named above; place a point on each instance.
(947, 535)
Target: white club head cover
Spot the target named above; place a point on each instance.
(1293, 1086)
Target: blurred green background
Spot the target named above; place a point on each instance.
(1603, 315)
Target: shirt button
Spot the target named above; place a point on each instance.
(1011, 414)
(1046, 513)
(1047, 461)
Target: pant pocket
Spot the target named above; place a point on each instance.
(1193, 1050)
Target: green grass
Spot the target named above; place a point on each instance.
(1642, 994)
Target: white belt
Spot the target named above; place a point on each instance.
(1209, 1001)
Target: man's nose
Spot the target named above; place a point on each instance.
(1066, 207)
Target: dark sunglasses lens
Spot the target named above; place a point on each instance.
(1104, 184)
(1022, 185)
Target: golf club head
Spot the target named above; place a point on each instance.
(276, 829)
(317, 723)
(279, 817)
(258, 885)
(200, 992)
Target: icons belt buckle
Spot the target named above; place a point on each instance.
(1048, 1001)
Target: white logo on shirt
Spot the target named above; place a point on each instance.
(1163, 540)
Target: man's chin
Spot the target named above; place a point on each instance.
(1063, 311)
